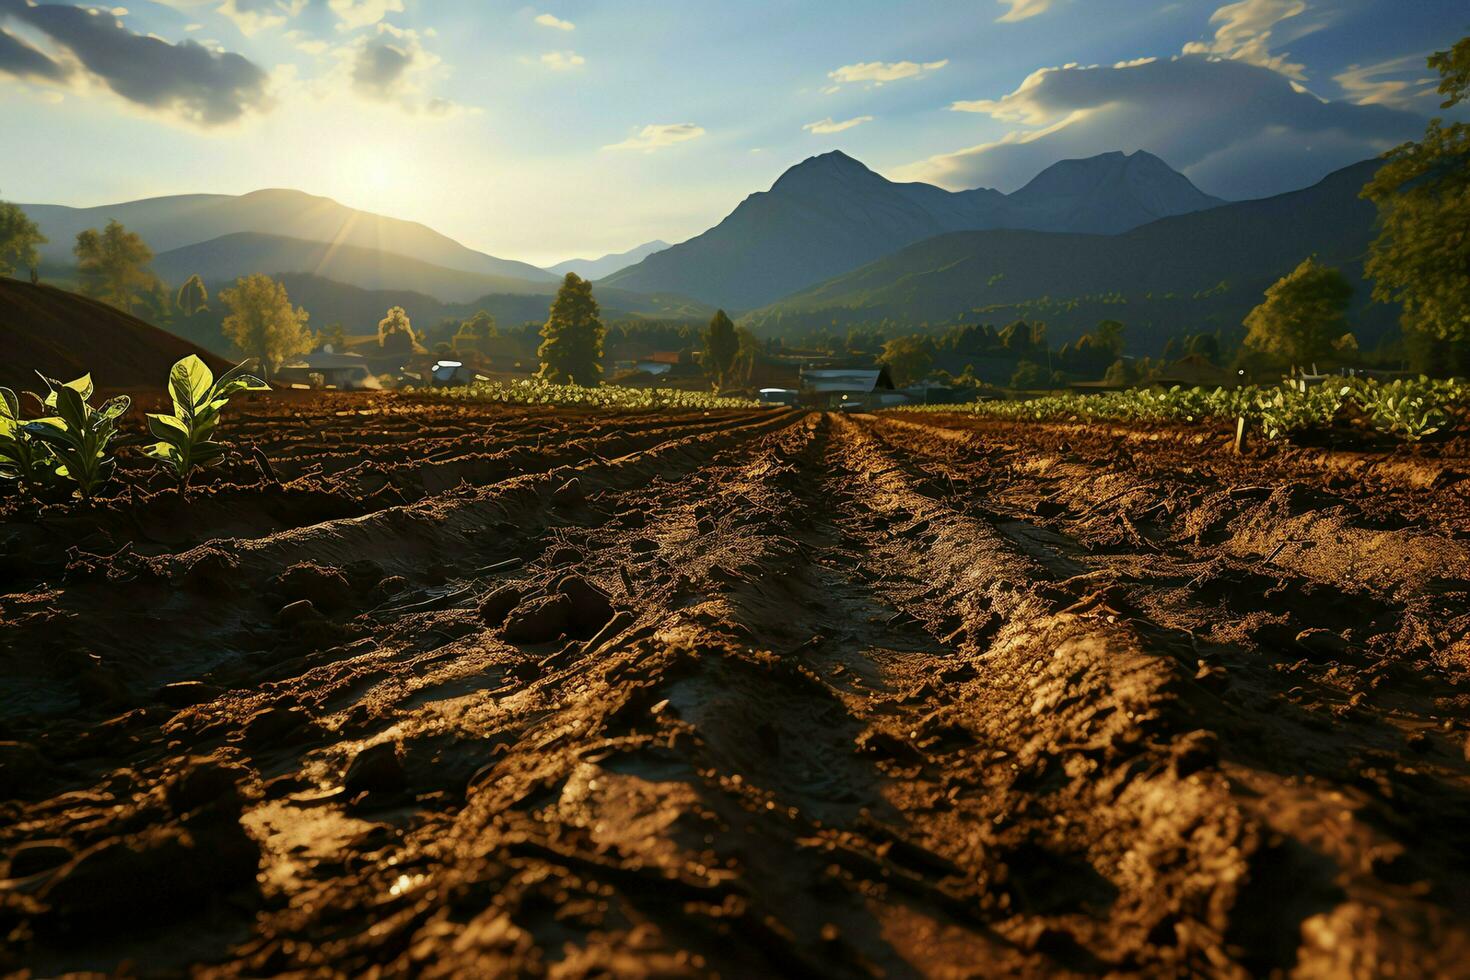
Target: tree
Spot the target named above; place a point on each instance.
(263, 324)
(1303, 313)
(19, 237)
(1029, 376)
(1421, 257)
(334, 335)
(747, 356)
(1206, 345)
(474, 332)
(908, 359)
(395, 332)
(571, 338)
(113, 265)
(720, 347)
(192, 296)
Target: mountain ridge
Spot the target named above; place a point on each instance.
(831, 213)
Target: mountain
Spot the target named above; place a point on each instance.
(65, 336)
(167, 223)
(831, 214)
(608, 264)
(224, 259)
(1186, 272)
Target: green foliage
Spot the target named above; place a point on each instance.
(1303, 314)
(1029, 375)
(263, 324)
(192, 296)
(535, 391)
(186, 437)
(22, 458)
(1408, 409)
(571, 339)
(908, 359)
(1421, 257)
(395, 331)
(77, 434)
(19, 237)
(114, 265)
(474, 333)
(721, 345)
(335, 336)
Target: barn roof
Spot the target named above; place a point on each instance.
(861, 380)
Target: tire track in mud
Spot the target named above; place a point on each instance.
(809, 700)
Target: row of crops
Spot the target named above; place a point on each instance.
(1409, 409)
(533, 391)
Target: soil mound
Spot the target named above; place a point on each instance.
(64, 335)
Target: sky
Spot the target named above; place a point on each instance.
(573, 128)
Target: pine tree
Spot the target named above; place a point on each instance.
(720, 347)
(571, 338)
(192, 297)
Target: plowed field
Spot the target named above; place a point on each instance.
(476, 691)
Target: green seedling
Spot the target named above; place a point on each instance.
(186, 437)
(22, 458)
(77, 434)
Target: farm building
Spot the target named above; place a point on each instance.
(849, 388)
(325, 369)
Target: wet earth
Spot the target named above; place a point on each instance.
(478, 691)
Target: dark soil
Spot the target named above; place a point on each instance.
(475, 691)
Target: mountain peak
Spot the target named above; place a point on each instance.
(823, 168)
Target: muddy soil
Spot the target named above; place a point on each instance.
(473, 691)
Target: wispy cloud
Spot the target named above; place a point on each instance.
(363, 13)
(1022, 9)
(659, 136)
(879, 72)
(562, 60)
(1373, 84)
(254, 16)
(828, 126)
(1244, 34)
(551, 20)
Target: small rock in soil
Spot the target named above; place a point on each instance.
(1322, 644)
(1195, 751)
(274, 723)
(376, 769)
(540, 620)
(591, 607)
(324, 586)
(33, 857)
(498, 604)
(206, 783)
(297, 613)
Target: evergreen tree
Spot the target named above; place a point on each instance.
(192, 297)
(571, 338)
(474, 332)
(1304, 312)
(263, 324)
(720, 347)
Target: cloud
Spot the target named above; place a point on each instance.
(1238, 130)
(254, 16)
(1244, 34)
(550, 20)
(186, 80)
(1367, 84)
(19, 59)
(828, 126)
(354, 14)
(392, 66)
(658, 136)
(562, 60)
(878, 72)
(1022, 9)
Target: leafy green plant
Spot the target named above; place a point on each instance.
(78, 434)
(22, 458)
(186, 437)
(536, 391)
